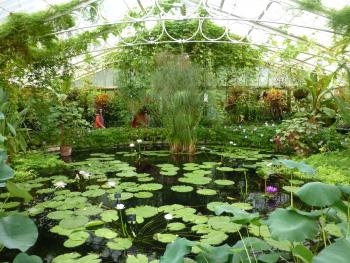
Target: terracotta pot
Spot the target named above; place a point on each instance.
(66, 150)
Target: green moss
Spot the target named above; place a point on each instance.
(32, 163)
(332, 167)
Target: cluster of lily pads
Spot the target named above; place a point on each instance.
(108, 206)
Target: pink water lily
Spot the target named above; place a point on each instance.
(271, 189)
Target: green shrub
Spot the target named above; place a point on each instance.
(27, 165)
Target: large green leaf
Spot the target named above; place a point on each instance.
(25, 258)
(319, 194)
(17, 191)
(176, 251)
(5, 171)
(339, 252)
(302, 252)
(209, 254)
(289, 225)
(18, 231)
(300, 166)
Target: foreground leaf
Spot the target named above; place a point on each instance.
(289, 225)
(18, 232)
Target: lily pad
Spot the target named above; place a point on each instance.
(143, 195)
(109, 216)
(181, 188)
(150, 187)
(165, 238)
(73, 222)
(197, 180)
(119, 244)
(214, 238)
(58, 215)
(139, 258)
(143, 211)
(105, 233)
(175, 226)
(224, 169)
(206, 192)
(224, 182)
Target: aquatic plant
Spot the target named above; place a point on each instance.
(271, 189)
(179, 88)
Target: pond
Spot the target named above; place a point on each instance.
(121, 202)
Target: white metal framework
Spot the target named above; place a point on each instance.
(266, 23)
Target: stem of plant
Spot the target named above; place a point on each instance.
(322, 228)
(246, 183)
(122, 223)
(245, 247)
(291, 193)
(348, 219)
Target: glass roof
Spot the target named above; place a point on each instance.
(267, 23)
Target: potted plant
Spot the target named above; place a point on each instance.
(67, 119)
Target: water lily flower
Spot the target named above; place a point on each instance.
(85, 174)
(269, 164)
(139, 141)
(132, 145)
(60, 184)
(203, 148)
(271, 189)
(120, 206)
(243, 130)
(266, 124)
(273, 125)
(168, 216)
(246, 137)
(254, 129)
(234, 144)
(231, 142)
(261, 135)
(111, 183)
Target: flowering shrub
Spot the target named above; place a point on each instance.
(297, 134)
(101, 100)
(276, 103)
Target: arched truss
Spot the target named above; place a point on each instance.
(256, 21)
(257, 28)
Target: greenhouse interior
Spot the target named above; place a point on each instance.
(175, 131)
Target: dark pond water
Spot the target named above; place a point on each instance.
(139, 177)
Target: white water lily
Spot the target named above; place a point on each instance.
(261, 135)
(266, 124)
(111, 183)
(235, 144)
(139, 141)
(132, 145)
(269, 164)
(86, 175)
(203, 148)
(168, 216)
(60, 184)
(231, 142)
(246, 137)
(120, 206)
